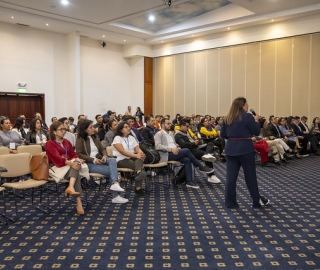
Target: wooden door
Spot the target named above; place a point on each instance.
(14, 104)
(148, 81)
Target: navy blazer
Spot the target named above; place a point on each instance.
(137, 133)
(274, 130)
(239, 135)
(298, 131)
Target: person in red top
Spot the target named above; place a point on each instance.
(138, 124)
(60, 152)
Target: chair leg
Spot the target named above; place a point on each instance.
(4, 214)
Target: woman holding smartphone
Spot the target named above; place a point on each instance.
(89, 148)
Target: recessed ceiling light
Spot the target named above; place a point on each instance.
(47, 24)
(103, 36)
(12, 17)
(193, 35)
(272, 20)
(151, 18)
(124, 40)
(228, 28)
(64, 2)
(162, 41)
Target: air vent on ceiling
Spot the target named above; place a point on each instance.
(21, 24)
(84, 36)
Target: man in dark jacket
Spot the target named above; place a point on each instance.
(149, 131)
(182, 139)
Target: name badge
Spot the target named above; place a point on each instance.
(12, 146)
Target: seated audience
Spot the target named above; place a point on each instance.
(43, 124)
(302, 130)
(81, 117)
(138, 124)
(263, 148)
(89, 148)
(275, 131)
(99, 119)
(169, 150)
(108, 138)
(133, 131)
(315, 127)
(37, 134)
(175, 120)
(9, 138)
(128, 111)
(54, 119)
(103, 129)
(72, 126)
(139, 113)
(120, 117)
(68, 135)
(275, 146)
(129, 155)
(149, 131)
(289, 134)
(209, 134)
(218, 124)
(205, 154)
(60, 152)
(19, 126)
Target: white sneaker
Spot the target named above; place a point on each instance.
(116, 187)
(208, 157)
(213, 179)
(119, 199)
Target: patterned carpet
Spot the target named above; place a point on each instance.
(178, 228)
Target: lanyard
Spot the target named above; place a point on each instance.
(127, 142)
(65, 148)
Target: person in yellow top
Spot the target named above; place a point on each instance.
(209, 134)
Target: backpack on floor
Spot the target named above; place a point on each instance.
(180, 177)
(152, 155)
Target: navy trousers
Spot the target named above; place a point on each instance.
(247, 162)
(187, 158)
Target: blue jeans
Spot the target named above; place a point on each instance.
(108, 169)
(187, 158)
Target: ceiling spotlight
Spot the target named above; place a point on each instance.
(151, 18)
(272, 20)
(12, 17)
(228, 28)
(64, 2)
(103, 36)
(103, 44)
(124, 40)
(162, 41)
(47, 24)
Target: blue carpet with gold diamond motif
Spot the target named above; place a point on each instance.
(177, 228)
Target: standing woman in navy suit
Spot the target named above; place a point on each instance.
(238, 128)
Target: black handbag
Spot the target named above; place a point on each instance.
(152, 155)
(180, 177)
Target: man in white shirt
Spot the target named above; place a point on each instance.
(170, 151)
(68, 135)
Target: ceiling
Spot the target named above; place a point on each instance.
(127, 21)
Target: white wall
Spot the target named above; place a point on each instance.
(109, 81)
(47, 62)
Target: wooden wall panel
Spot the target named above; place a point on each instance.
(283, 77)
(158, 93)
(315, 78)
(169, 85)
(148, 86)
(253, 75)
(201, 83)
(225, 81)
(190, 86)
(179, 95)
(238, 72)
(301, 71)
(212, 84)
(267, 78)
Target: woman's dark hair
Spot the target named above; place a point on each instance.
(139, 110)
(280, 120)
(33, 124)
(104, 121)
(202, 121)
(217, 120)
(261, 122)
(19, 122)
(119, 117)
(177, 115)
(289, 120)
(2, 120)
(82, 133)
(235, 110)
(120, 127)
(53, 127)
(111, 122)
(314, 120)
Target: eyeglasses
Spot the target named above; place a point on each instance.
(62, 129)
(168, 123)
